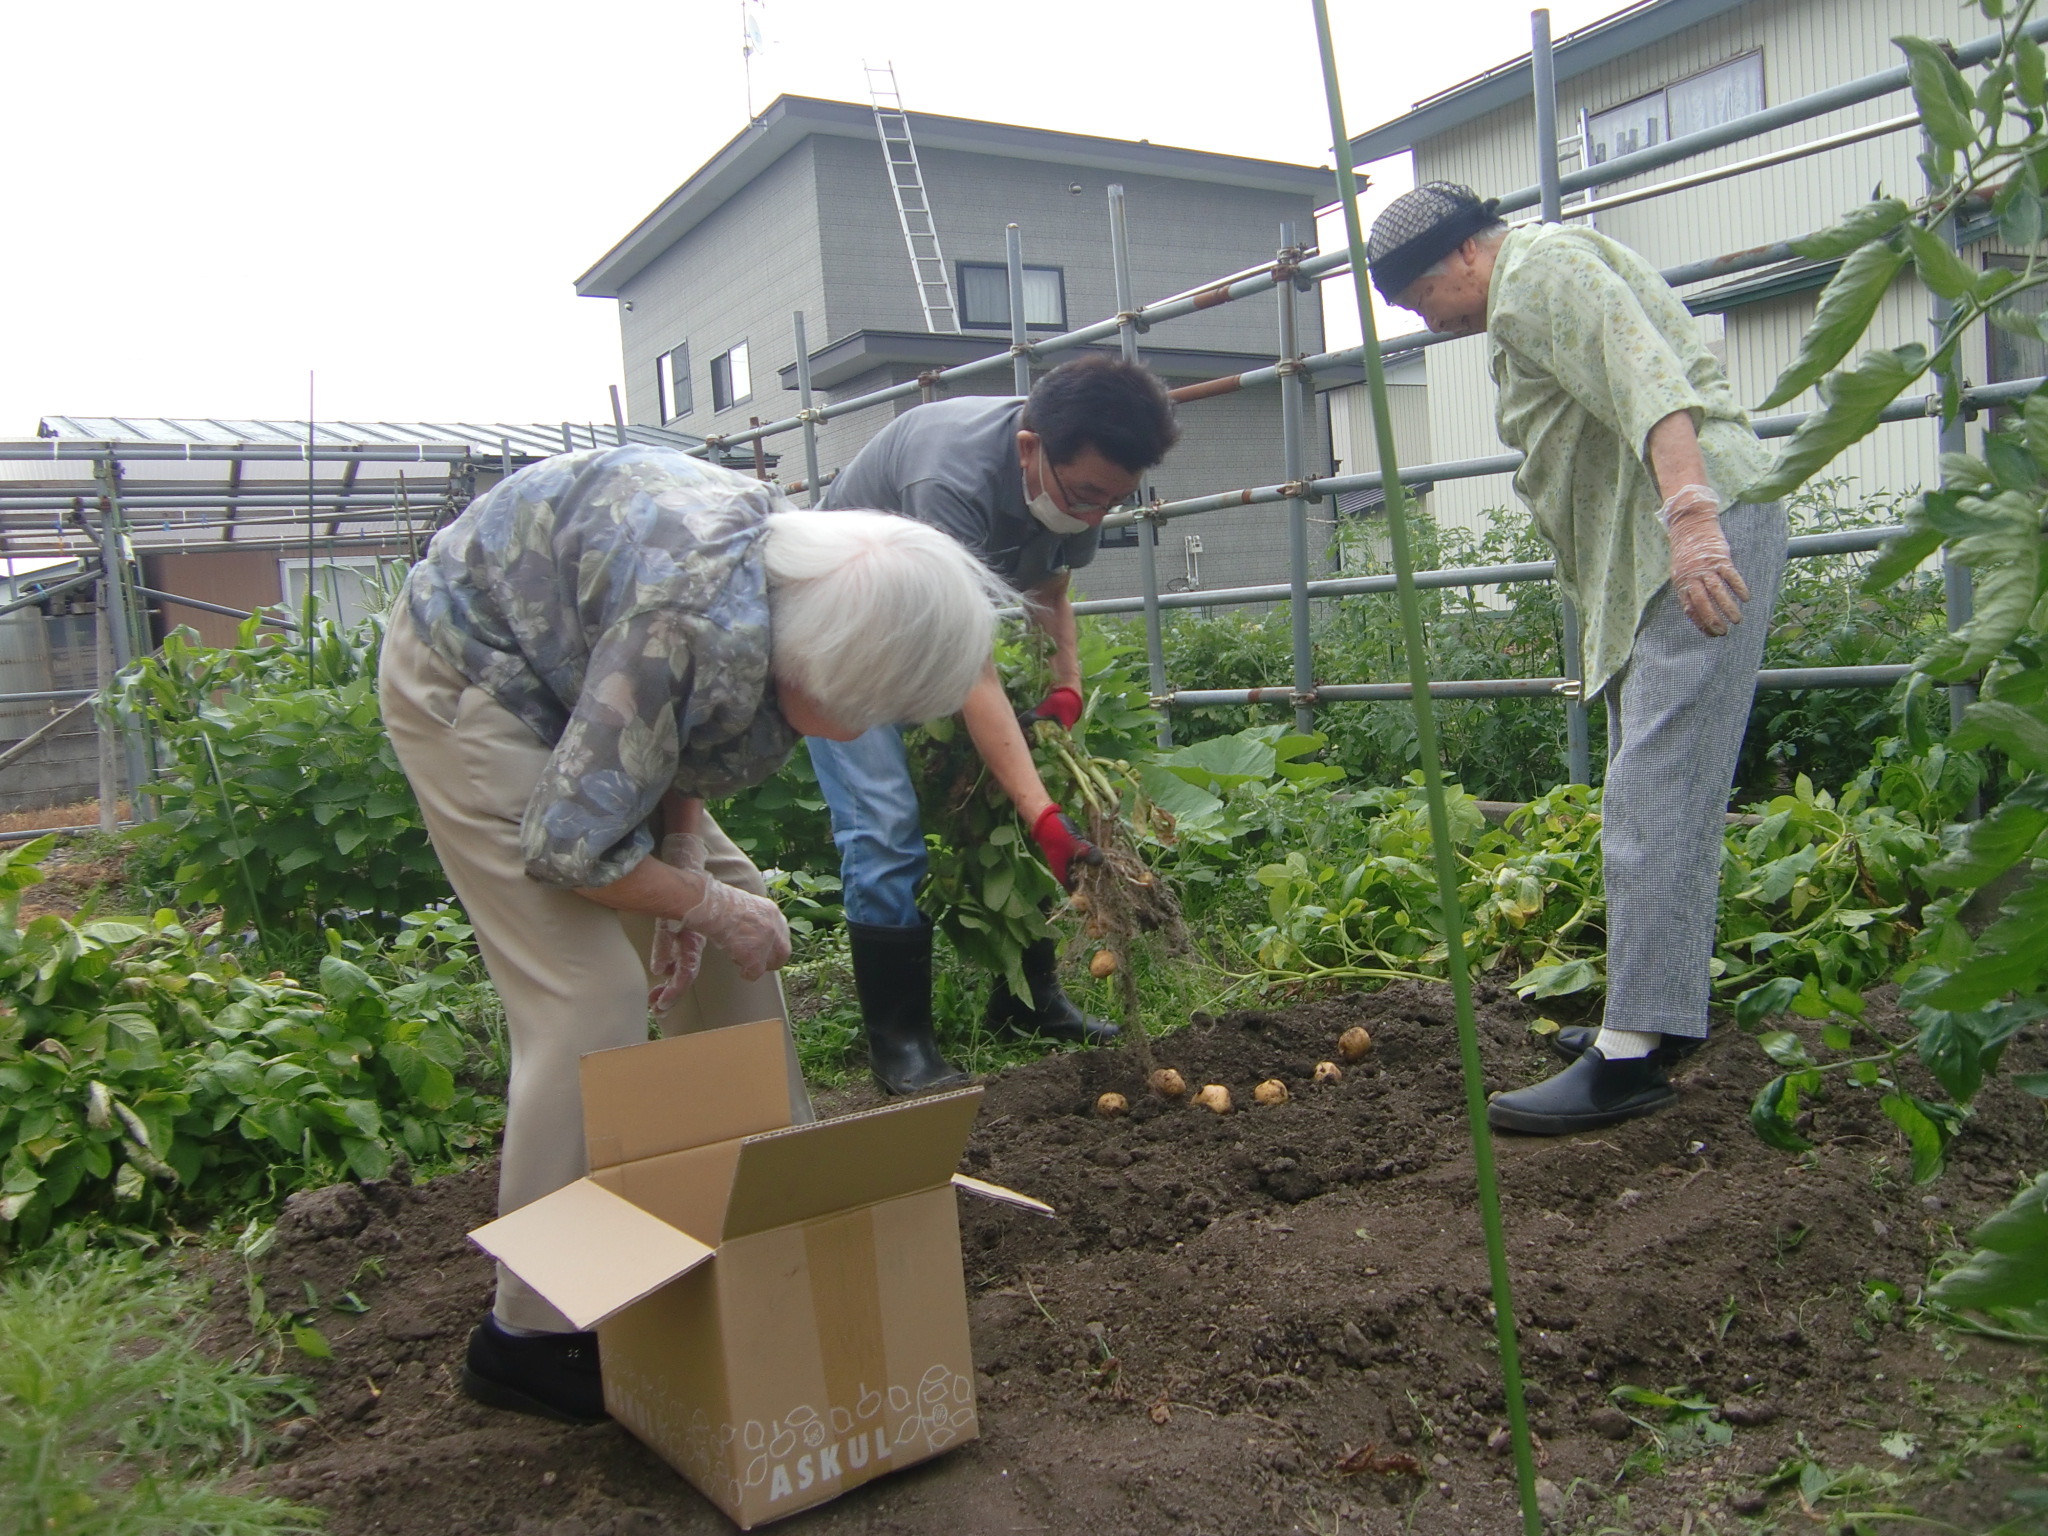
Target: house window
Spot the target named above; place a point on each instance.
(730, 381)
(1692, 105)
(672, 383)
(346, 588)
(985, 297)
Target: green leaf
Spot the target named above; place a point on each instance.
(1785, 1048)
(1759, 1003)
(1922, 1133)
(1940, 93)
(1844, 313)
(2022, 734)
(430, 1084)
(1901, 554)
(1189, 806)
(2030, 71)
(343, 982)
(2010, 1268)
(1852, 402)
(311, 1342)
(2035, 1083)
(2000, 539)
(1223, 761)
(1992, 845)
(1558, 980)
(1772, 1112)
(1940, 268)
(1870, 222)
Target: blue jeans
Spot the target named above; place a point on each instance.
(875, 823)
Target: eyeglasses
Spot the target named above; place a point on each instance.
(1077, 508)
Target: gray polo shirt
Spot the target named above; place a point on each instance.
(953, 464)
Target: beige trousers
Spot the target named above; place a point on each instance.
(572, 974)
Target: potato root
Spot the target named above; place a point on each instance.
(1329, 1072)
(1104, 964)
(1110, 1105)
(1271, 1091)
(1215, 1097)
(1353, 1043)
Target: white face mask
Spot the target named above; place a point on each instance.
(1047, 511)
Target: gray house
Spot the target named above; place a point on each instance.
(797, 214)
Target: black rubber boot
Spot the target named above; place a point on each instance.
(1586, 1095)
(1050, 1014)
(892, 972)
(554, 1375)
(1571, 1043)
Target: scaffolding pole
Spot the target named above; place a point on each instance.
(1020, 335)
(1148, 530)
(804, 411)
(1294, 466)
(1543, 66)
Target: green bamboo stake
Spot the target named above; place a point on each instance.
(1433, 788)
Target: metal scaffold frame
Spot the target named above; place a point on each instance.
(1295, 269)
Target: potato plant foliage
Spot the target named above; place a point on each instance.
(282, 800)
(145, 1075)
(1987, 150)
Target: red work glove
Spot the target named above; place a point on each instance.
(1062, 844)
(1062, 704)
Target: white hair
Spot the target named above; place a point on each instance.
(878, 618)
(1491, 237)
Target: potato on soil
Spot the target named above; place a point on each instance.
(1353, 1043)
(1104, 964)
(1168, 1084)
(1215, 1097)
(1271, 1091)
(1111, 1105)
(1329, 1072)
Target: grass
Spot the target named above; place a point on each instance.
(112, 1420)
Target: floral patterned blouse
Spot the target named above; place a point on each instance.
(1591, 349)
(616, 601)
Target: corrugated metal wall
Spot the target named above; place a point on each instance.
(1806, 46)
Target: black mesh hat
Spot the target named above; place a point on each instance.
(1418, 229)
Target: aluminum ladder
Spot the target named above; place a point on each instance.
(913, 206)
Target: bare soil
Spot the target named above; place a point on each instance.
(1228, 1307)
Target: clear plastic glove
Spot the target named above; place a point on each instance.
(1703, 574)
(672, 961)
(749, 928)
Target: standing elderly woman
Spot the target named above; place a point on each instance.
(586, 654)
(1637, 457)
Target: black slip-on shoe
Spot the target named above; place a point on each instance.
(1570, 1043)
(1586, 1095)
(554, 1375)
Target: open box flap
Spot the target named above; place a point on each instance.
(589, 1252)
(814, 1170)
(1001, 1195)
(686, 1091)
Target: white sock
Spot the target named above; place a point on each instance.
(1626, 1044)
(518, 1332)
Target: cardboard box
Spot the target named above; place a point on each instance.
(780, 1310)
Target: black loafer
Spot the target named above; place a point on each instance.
(1570, 1043)
(554, 1375)
(1586, 1095)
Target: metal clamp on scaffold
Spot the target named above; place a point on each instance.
(1299, 490)
(1134, 318)
(808, 414)
(1571, 688)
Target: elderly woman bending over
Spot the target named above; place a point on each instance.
(592, 649)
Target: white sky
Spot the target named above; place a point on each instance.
(212, 200)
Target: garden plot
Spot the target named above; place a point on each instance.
(1230, 1310)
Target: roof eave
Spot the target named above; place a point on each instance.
(790, 119)
(1575, 54)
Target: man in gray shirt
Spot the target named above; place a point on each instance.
(1024, 484)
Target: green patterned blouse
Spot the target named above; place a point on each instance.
(1591, 349)
(616, 601)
